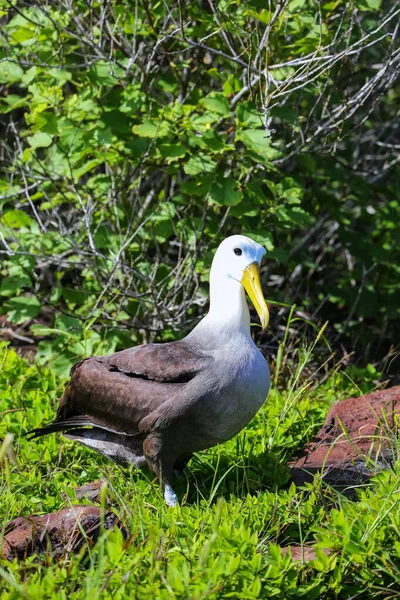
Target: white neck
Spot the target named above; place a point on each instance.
(228, 302)
(229, 314)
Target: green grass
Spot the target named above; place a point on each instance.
(237, 506)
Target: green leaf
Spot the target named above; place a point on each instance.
(172, 152)
(75, 297)
(211, 141)
(45, 122)
(203, 122)
(11, 285)
(137, 146)
(71, 137)
(149, 129)
(23, 34)
(262, 237)
(86, 167)
(199, 164)
(248, 115)
(105, 73)
(224, 192)
(16, 219)
(60, 76)
(366, 5)
(217, 103)
(78, 107)
(231, 85)
(285, 113)
(58, 353)
(299, 216)
(103, 137)
(40, 140)
(163, 231)
(12, 102)
(289, 189)
(41, 330)
(22, 308)
(57, 161)
(294, 214)
(257, 141)
(294, 5)
(197, 188)
(117, 122)
(264, 16)
(10, 72)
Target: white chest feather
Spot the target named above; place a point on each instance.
(242, 389)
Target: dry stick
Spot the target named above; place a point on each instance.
(224, 34)
(117, 261)
(26, 191)
(264, 42)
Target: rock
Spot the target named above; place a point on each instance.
(303, 553)
(7, 450)
(356, 441)
(59, 532)
(91, 491)
(20, 337)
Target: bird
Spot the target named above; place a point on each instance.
(156, 404)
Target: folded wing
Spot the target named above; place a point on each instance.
(118, 391)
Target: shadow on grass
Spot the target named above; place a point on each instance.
(217, 473)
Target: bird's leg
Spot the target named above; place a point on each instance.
(160, 464)
(171, 499)
(180, 464)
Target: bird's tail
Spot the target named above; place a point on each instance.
(59, 425)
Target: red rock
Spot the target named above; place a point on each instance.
(303, 553)
(59, 532)
(91, 491)
(356, 441)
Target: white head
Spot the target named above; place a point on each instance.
(236, 267)
(234, 255)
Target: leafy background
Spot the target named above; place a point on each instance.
(136, 136)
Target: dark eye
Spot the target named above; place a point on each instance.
(237, 251)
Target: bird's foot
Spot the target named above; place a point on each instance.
(171, 499)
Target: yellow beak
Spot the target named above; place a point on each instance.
(252, 285)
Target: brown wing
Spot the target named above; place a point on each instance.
(174, 362)
(120, 390)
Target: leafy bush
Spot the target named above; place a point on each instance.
(136, 136)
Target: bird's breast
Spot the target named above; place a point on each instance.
(240, 390)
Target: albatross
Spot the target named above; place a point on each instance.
(157, 404)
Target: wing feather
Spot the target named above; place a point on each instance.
(166, 363)
(120, 390)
